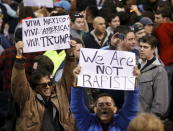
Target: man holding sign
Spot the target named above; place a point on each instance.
(105, 107)
(44, 107)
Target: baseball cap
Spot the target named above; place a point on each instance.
(138, 26)
(63, 4)
(146, 21)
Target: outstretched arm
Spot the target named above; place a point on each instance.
(129, 109)
(20, 87)
(70, 64)
(78, 107)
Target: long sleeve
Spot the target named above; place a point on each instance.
(20, 87)
(63, 93)
(79, 109)
(129, 109)
(161, 97)
(67, 76)
(164, 34)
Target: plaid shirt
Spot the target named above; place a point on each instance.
(7, 59)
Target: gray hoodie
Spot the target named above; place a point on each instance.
(153, 89)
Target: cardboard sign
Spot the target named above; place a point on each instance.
(106, 69)
(39, 3)
(47, 33)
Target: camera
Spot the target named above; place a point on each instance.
(120, 36)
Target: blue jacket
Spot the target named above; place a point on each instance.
(87, 121)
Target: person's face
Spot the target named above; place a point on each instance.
(140, 34)
(158, 18)
(105, 109)
(100, 25)
(44, 87)
(78, 24)
(129, 42)
(148, 29)
(146, 52)
(115, 22)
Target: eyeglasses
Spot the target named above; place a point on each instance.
(44, 85)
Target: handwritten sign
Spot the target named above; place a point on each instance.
(39, 3)
(47, 33)
(106, 69)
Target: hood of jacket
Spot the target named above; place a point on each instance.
(157, 62)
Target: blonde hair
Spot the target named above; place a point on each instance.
(146, 122)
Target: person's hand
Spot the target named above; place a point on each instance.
(19, 47)
(83, 13)
(133, 8)
(136, 71)
(70, 51)
(115, 41)
(53, 12)
(76, 72)
(74, 51)
(118, 9)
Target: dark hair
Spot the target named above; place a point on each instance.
(123, 29)
(75, 16)
(79, 41)
(149, 39)
(44, 62)
(112, 16)
(25, 11)
(148, 14)
(102, 95)
(37, 75)
(58, 14)
(124, 18)
(92, 10)
(164, 11)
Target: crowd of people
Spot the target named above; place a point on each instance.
(39, 90)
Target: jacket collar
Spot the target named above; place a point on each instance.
(96, 39)
(40, 98)
(157, 62)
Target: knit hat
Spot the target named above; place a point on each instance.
(146, 21)
(63, 4)
(138, 26)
